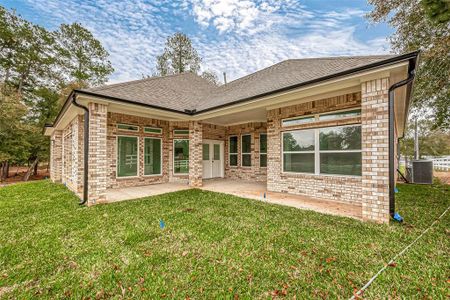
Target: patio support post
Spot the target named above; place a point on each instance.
(98, 166)
(375, 150)
(195, 154)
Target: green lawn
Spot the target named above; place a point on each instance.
(214, 246)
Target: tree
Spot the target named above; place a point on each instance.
(82, 57)
(437, 10)
(432, 142)
(179, 56)
(37, 69)
(418, 26)
(211, 77)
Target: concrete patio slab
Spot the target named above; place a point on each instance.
(244, 189)
(257, 190)
(114, 195)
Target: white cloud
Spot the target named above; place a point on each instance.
(237, 37)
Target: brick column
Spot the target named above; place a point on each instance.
(56, 156)
(98, 167)
(195, 154)
(375, 150)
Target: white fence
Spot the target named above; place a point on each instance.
(441, 163)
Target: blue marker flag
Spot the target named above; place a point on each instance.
(396, 189)
(162, 224)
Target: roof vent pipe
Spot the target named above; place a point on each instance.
(224, 78)
(85, 148)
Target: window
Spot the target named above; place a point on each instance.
(298, 151)
(263, 150)
(153, 130)
(297, 121)
(331, 150)
(127, 127)
(233, 151)
(181, 156)
(340, 150)
(181, 132)
(205, 152)
(340, 115)
(152, 156)
(246, 148)
(127, 156)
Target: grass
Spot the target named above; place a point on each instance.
(213, 246)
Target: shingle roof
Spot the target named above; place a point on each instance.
(188, 91)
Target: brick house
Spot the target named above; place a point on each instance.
(326, 128)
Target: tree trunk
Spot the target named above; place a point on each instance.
(30, 169)
(4, 170)
(7, 169)
(36, 169)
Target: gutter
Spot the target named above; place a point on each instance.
(85, 148)
(408, 81)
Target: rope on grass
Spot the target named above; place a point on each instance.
(361, 290)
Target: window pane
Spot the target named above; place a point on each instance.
(263, 143)
(340, 138)
(340, 115)
(127, 158)
(233, 144)
(152, 156)
(246, 160)
(298, 162)
(263, 160)
(341, 163)
(181, 132)
(233, 160)
(302, 140)
(181, 156)
(205, 151)
(127, 127)
(298, 121)
(216, 152)
(152, 130)
(246, 143)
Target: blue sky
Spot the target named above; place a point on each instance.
(232, 36)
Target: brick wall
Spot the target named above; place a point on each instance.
(375, 146)
(98, 161)
(339, 188)
(56, 156)
(195, 154)
(255, 172)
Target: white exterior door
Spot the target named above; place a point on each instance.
(213, 159)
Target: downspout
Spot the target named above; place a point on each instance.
(392, 88)
(85, 148)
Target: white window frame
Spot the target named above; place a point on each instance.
(173, 157)
(117, 157)
(261, 153)
(233, 153)
(300, 152)
(153, 128)
(317, 151)
(129, 130)
(246, 153)
(316, 117)
(160, 158)
(181, 134)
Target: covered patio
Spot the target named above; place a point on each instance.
(241, 188)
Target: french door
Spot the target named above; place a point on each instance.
(213, 159)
